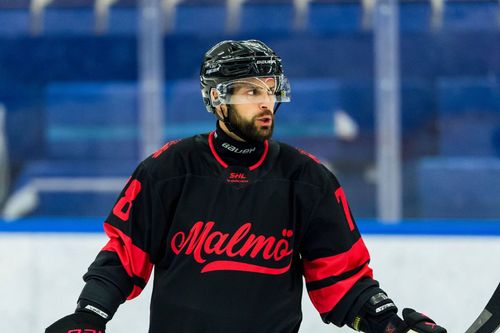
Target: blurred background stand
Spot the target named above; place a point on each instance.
(4, 159)
(151, 106)
(387, 111)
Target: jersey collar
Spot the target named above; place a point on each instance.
(225, 165)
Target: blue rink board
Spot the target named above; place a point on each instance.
(367, 227)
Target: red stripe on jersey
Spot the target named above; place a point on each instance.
(223, 265)
(325, 299)
(212, 148)
(135, 261)
(165, 147)
(136, 291)
(341, 199)
(311, 156)
(262, 158)
(224, 164)
(326, 267)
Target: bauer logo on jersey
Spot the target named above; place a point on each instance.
(241, 251)
(234, 149)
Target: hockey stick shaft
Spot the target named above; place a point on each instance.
(489, 319)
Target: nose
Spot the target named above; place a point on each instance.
(267, 104)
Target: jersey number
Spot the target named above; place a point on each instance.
(341, 199)
(123, 206)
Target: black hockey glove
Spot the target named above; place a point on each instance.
(86, 319)
(414, 322)
(379, 315)
(78, 322)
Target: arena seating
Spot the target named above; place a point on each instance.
(459, 187)
(461, 180)
(469, 115)
(77, 102)
(91, 121)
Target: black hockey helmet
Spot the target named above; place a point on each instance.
(230, 61)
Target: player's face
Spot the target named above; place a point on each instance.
(255, 119)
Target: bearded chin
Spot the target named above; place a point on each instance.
(250, 130)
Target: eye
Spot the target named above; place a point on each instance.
(253, 91)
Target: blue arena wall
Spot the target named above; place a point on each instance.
(366, 226)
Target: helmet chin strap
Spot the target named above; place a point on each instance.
(277, 107)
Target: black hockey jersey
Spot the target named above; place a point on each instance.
(231, 245)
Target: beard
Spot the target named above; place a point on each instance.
(250, 129)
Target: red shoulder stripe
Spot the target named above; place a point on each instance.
(135, 261)
(314, 158)
(165, 147)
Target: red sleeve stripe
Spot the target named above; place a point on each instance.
(135, 261)
(334, 279)
(326, 267)
(325, 299)
(136, 291)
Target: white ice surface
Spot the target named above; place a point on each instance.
(449, 278)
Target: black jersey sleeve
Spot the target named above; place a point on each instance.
(334, 256)
(123, 266)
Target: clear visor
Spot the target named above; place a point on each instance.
(252, 90)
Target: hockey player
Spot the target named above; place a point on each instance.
(232, 221)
